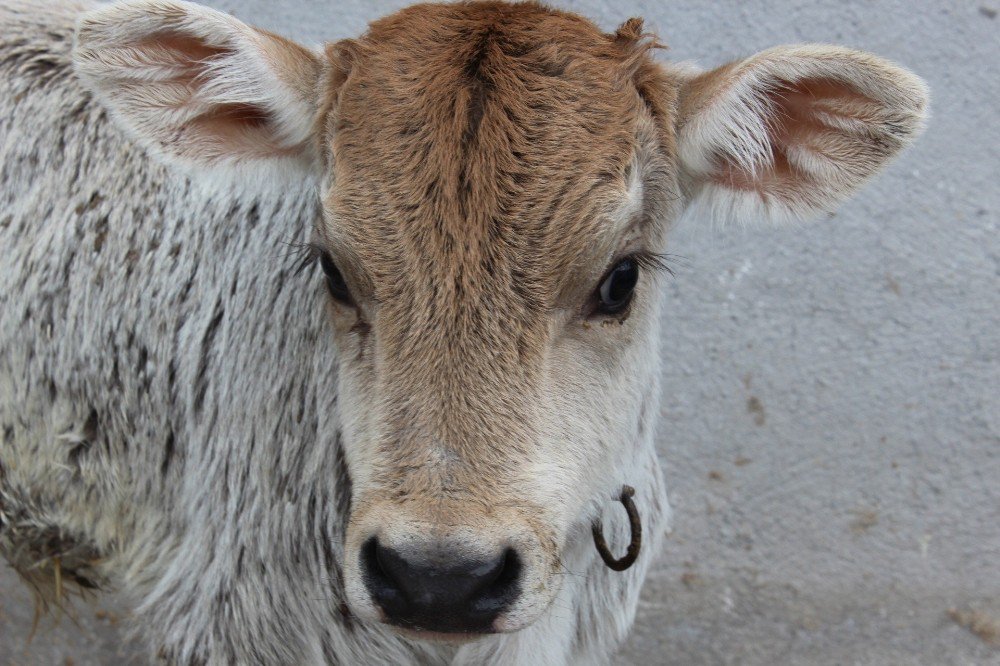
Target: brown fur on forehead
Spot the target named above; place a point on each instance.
(502, 132)
(477, 149)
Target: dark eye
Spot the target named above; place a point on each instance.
(334, 280)
(615, 292)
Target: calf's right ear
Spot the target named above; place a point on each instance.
(792, 131)
(202, 88)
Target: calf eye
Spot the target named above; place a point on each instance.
(615, 292)
(334, 280)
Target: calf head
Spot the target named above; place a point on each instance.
(496, 183)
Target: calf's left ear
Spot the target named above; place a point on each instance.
(792, 131)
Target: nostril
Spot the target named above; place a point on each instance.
(369, 559)
(378, 575)
(501, 590)
(511, 569)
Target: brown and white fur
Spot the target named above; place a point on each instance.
(189, 419)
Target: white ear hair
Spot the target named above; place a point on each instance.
(202, 88)
(793, 131)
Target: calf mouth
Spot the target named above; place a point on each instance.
(460, 638)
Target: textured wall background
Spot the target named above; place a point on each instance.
(831, 417)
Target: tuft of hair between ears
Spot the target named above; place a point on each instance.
(634, 43)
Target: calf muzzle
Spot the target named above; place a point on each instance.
(427, 588)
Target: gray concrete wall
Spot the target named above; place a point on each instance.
(831, 414)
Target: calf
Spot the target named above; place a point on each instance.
(338, 356)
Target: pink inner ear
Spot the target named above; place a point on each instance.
(225, 128)
(814, 132)
(242, 130)
(237, 117)
(194, 55)
(189, 50)
(239, 129)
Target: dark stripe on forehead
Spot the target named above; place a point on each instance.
(479, 84)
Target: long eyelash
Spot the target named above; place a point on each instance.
(668, 263)
(303, 255)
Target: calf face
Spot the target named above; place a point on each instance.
(496, 182)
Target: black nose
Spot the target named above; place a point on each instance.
(431, 591)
